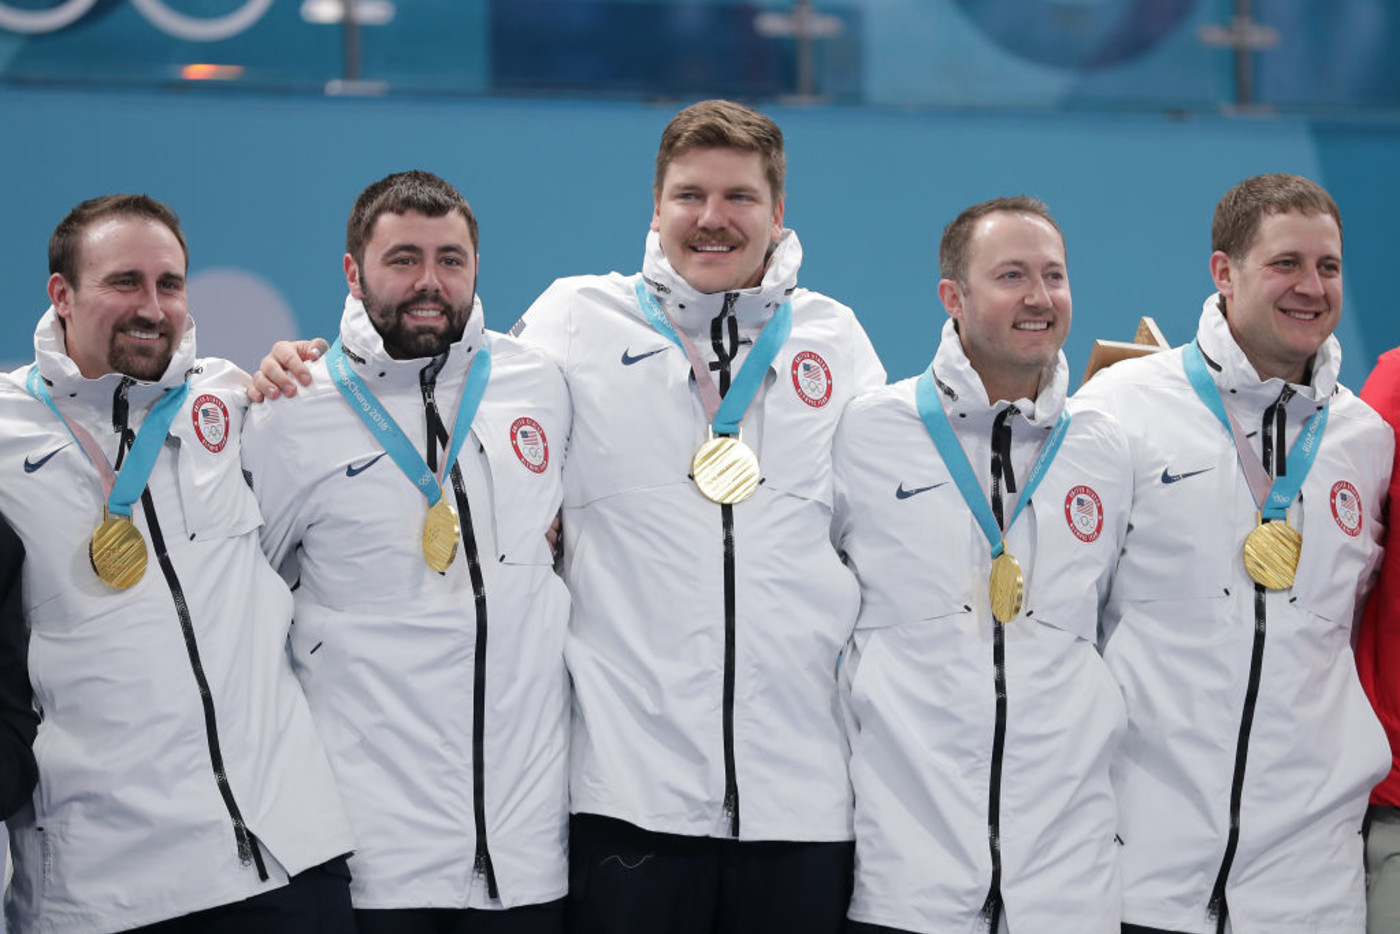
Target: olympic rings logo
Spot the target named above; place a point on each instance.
(168, 21)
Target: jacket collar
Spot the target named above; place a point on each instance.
(365, 349)
(963, 393)
(69, 386)
(693, 310)
(1235, 372)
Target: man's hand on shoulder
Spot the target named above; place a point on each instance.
(284, 367)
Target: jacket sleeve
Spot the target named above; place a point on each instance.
(18, 721)
(269, 463)
(546, 323)
(1378, 640)
(869, 371)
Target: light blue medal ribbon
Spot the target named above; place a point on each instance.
(1274, 504)
(387, 431)
(126, 486)
(726, 418)
(955, 459)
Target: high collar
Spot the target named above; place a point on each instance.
(69, 386)
(963, 393)
(365, 348)
(1237, 375)
(692, 310)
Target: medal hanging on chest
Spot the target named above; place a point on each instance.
(1271, 554)
(116, 549)
(442, 529)
(1004, 586)
(441, 532)
(1273, 547)
(1005, 583)
(724, 469)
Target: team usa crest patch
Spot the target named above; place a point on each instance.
(211, 422)
(811, 377)
(531, 446)
(1346, 507)
(1084, 513)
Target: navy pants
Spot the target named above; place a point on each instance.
(316, 901)
(626, 880)
(526, 919)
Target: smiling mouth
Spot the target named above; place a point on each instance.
(141, 335)
(713, 247)
(1031, 326)
(1301, 315)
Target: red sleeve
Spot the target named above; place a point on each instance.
(1378, 643)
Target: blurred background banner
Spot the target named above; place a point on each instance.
(260, 120)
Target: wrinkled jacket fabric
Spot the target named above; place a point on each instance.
(644, 558)
(1180, 630)
(920, 679)
(386, 648)
(128, 826)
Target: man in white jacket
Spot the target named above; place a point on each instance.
(432, 655)
(1259, 480)
(709, 782)
(983, 516)
(182, 786)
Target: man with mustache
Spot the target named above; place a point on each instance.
(983, 517)
(182, 786)
(709, 783)
(407, 492)
(1256, 526)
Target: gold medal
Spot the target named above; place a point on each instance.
(117, 551)
(1271, 554)
(725, 469)
(1004, 585)
(441, 533)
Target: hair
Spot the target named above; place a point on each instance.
(400, 193)
(952, 249)
(66, 243)
(1242, 209)
(720, 124)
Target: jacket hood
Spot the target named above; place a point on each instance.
(692, 310)
(61, 372)
(1237, 373)
(963, 390)
(365, 347)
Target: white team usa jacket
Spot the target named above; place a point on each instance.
(942, 809)
(424, 698)
(1243, 705)
(658, 656)
(148, 791)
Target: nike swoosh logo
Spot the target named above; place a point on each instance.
(628, 359)
(902, 493)
(352, 471)
(31, 466)
(1169, 477)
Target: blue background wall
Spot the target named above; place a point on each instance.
(264, 183)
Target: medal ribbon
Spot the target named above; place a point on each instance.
(124, 488)
(955, 459)
(396, 444)
(1273, 497)
(724, 415)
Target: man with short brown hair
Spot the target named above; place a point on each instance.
(1256, 527)
(709, 783)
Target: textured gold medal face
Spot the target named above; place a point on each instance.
(117, 552)
(441, 532)
(1271, 554)
(1004, 585)
(726, 470)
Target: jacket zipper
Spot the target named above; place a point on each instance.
(437, 435)
(1273, 453)
(725, 351)
(1002, 474)
(248, 850)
